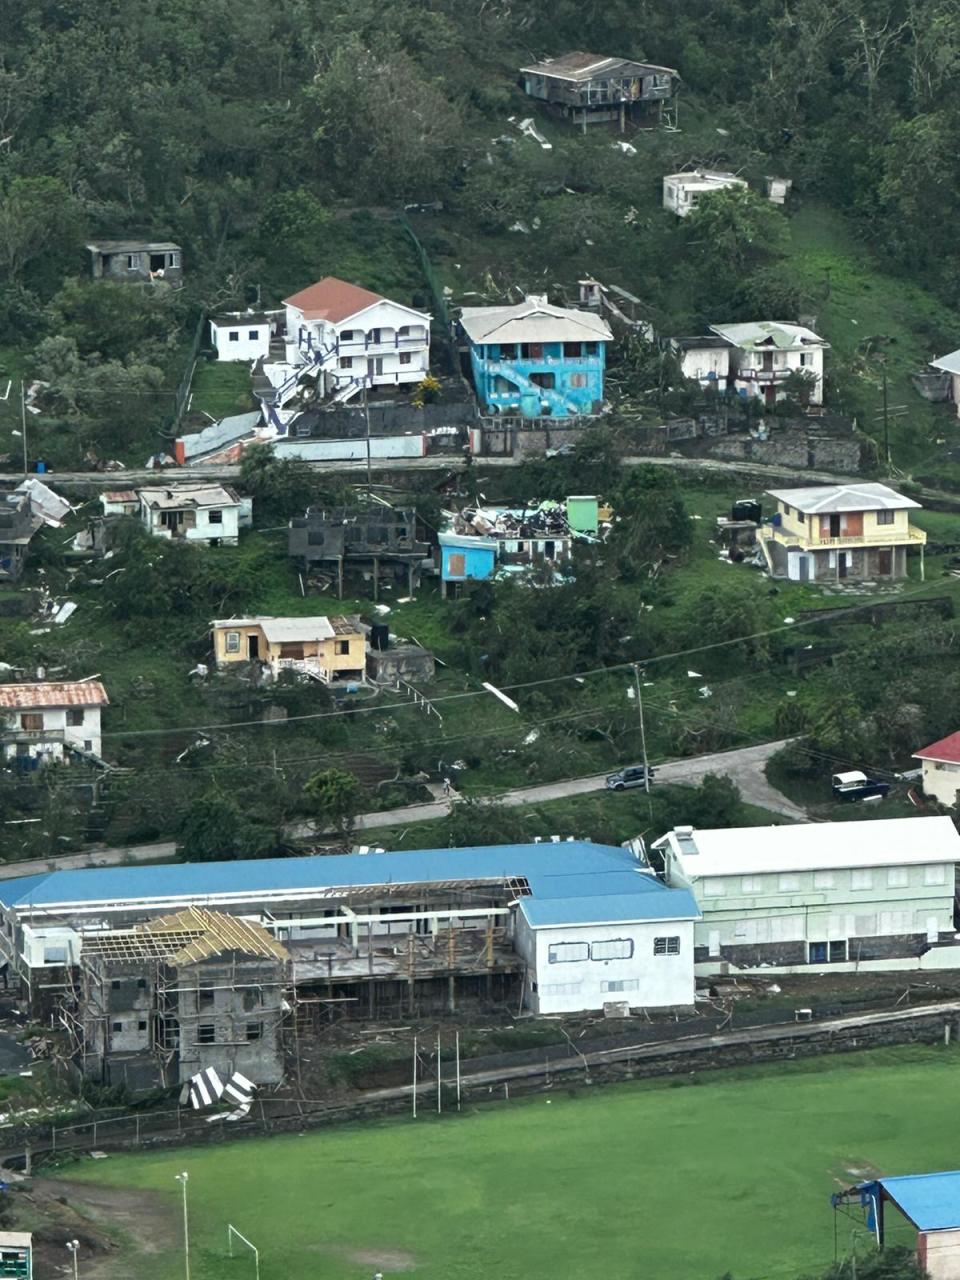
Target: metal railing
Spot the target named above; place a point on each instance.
(895, 538)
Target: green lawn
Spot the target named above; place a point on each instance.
(689, 1182)
(221, 388)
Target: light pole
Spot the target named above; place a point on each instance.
(182, 1179)
(73, 1246)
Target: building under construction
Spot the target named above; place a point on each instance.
(152, 986)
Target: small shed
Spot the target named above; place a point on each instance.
(143, 260)
(16, 1254)
(930, 1202)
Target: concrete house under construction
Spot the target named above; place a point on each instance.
(378, 542)
(150, 1006)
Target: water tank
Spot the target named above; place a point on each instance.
(530, 405)
(379, 636)
(746, 509)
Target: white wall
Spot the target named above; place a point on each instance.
(699, 363)
(412, 446)
(385, 363)
(644, 980)
(52, 946)
(810, 360)
(86, 735)
(941, 781)
(252, 341)
(204, 529)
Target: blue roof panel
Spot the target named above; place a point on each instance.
(666, 904)
(571, 870)
(930, 1200)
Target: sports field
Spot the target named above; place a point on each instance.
(731, 1174)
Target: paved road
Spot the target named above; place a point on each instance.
(745, 766)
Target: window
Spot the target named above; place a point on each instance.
(141, 984)
(751, 884)
(31, 720)
(347, 335)
(403, 331)
(531, 350)
(141, 1026)
(75, 716)
(621, 984)
(88, 744)
(823, 879)
(54, 955)
(801, 517)
(116, 1026)
(205, 999)
(897, 878)
(133, 261)
(861, 879)
(405, 357)
(373, 337)
(346, 362)
(254, 1030)
(788, 884)
(233, 642)
(666, 946)
(253, 334)
(885, 517)
(713, 888)
(817, 953)
(786, 509)
(546, 380)
(567, 952)
(806, 358)
(206, 1033)
(215, 517)
(560, 988)
(315, 538)
(578, 379)
(612, 949)
(508, 351)
(343, 646)
(934, 875)
(571, 349)
(234, 335)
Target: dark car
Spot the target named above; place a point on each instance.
(635, 776)
(857, 786)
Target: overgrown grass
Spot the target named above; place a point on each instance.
(538, 1188)
(221, 388)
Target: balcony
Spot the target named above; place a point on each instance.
(909, 537)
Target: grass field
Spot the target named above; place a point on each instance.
(732, 1173)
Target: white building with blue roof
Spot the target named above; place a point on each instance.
(571, 926)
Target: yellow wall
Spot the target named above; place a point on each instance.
(811, 527)
(324, 651)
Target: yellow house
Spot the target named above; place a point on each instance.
(841, 531)
(327, 648)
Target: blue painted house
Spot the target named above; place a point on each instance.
(465, 557)
(535, 359)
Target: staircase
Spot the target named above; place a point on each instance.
(560, 407)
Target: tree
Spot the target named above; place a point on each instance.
(280, 487)
(38, 217)
(651, 520)
(334, 798)
(213, 828)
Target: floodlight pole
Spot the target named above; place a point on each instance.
(414, 1077)
(458, 1070)
(182, 1179)
(73, 1246)
(438, 1074)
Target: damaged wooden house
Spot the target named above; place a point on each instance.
(379, 544)
(588, 89)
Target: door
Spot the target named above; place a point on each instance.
(253, 648)
(374, 366)
(842, 564)
(550, 550)
(835, 526)
(714, 942)
(885, 561)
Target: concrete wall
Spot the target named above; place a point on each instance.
(793, 447)
(239, 1003)
(941, 780)
(202, 528)
(938, 1252)
(56, 729)
(241, 338)
(642, 979)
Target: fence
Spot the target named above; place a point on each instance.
(440, 309)
(182, 393)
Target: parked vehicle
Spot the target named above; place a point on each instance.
(634, 776)
(857, 786)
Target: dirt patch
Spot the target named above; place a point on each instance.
(112, 1224)
(389, 1261)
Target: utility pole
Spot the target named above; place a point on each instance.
(643, 734)
(414, 1092)
(886, 423)
(23, 423)
(366, 414)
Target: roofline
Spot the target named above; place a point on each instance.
(380, 298)
(569, 924)
(922, 755)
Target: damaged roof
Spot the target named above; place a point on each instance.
(197, 495)
(580, 67)
(293, 630)
(578, 874)
(825, 499)
(186, 937)
(227, 431)
(769, 334)
(533, 320)
(132, 246)
(61, 693)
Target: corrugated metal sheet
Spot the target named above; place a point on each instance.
(930, 1200)
(78, 693)
(826, 498)
(660, 903)
(533, 321)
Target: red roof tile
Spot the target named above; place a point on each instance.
(63, 693)
(332, 299)
(947, 749)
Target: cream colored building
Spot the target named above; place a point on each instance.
(329, 649)
(841, 532)
(940, 765)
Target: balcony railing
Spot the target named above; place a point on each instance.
(911, 536)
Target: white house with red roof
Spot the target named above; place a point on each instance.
(940, 765)
(340, 339)
(51, 720)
